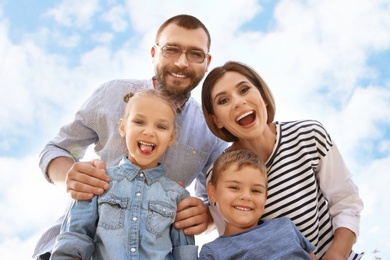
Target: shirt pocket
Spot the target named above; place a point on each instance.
(160, 216)
(183, 163)
(112, 212)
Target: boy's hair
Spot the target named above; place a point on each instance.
(185, 21)
(149, 92)
(241, 158)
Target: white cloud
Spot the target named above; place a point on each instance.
(116, 16)
(75, 13)
(32, 84)
(103, 38)
(321, 45)
(28, 204)
(373, 182)
(313, 55)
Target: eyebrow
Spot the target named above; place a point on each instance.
(256, 184)
(160, 120)
(164, 121)
(189, 47)
(236, 86)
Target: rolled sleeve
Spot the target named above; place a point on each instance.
(341, 192)
(183, 245)
(73, 245)
(77, 231)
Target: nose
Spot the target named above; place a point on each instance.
(245, 195)
(238, 101)
(182, 60)
(148, 130)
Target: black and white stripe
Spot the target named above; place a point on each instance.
(293, 189)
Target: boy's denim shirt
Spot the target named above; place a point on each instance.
(131, 220)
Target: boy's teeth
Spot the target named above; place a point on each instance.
(240, 208)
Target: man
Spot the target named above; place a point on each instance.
(181, 58)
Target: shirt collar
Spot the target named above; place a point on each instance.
(130, 171)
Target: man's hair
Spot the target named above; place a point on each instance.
(241, 158)
(185, 21)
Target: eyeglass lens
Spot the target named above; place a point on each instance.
(172, 52)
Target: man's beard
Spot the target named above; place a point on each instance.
(177, 95)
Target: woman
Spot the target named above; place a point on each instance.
(308, 180)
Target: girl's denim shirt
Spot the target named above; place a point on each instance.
(131, 220)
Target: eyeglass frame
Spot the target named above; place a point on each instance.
(181, 52)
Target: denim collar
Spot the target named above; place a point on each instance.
(130, 171)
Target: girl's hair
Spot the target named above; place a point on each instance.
(241, 158)
(215, 75)
(151, 93)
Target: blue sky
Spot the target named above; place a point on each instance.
(324, 60)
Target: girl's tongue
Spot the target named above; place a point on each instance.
(146, 148)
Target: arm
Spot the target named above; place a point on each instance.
(341, 246)
(192, 214)
(313, 256)
(183, 245)
(59, 158)
(345, 204)
(77, 231)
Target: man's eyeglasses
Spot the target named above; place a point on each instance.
(173, 53)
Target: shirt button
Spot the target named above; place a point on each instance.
(134, 218)
(132, 249)
(138, 194)
(141, 174)
(193, 152)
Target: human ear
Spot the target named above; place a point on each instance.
(216, 122)
(173, 138)
(121, 128)
(211, 193)
(153, 51)
(208, 61)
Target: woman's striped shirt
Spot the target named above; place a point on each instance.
(309, 183)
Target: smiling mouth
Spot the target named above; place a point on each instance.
(246, 118)
(178, 75)
(242, 208)
(146, 148)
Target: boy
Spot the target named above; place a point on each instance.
(238, 187)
